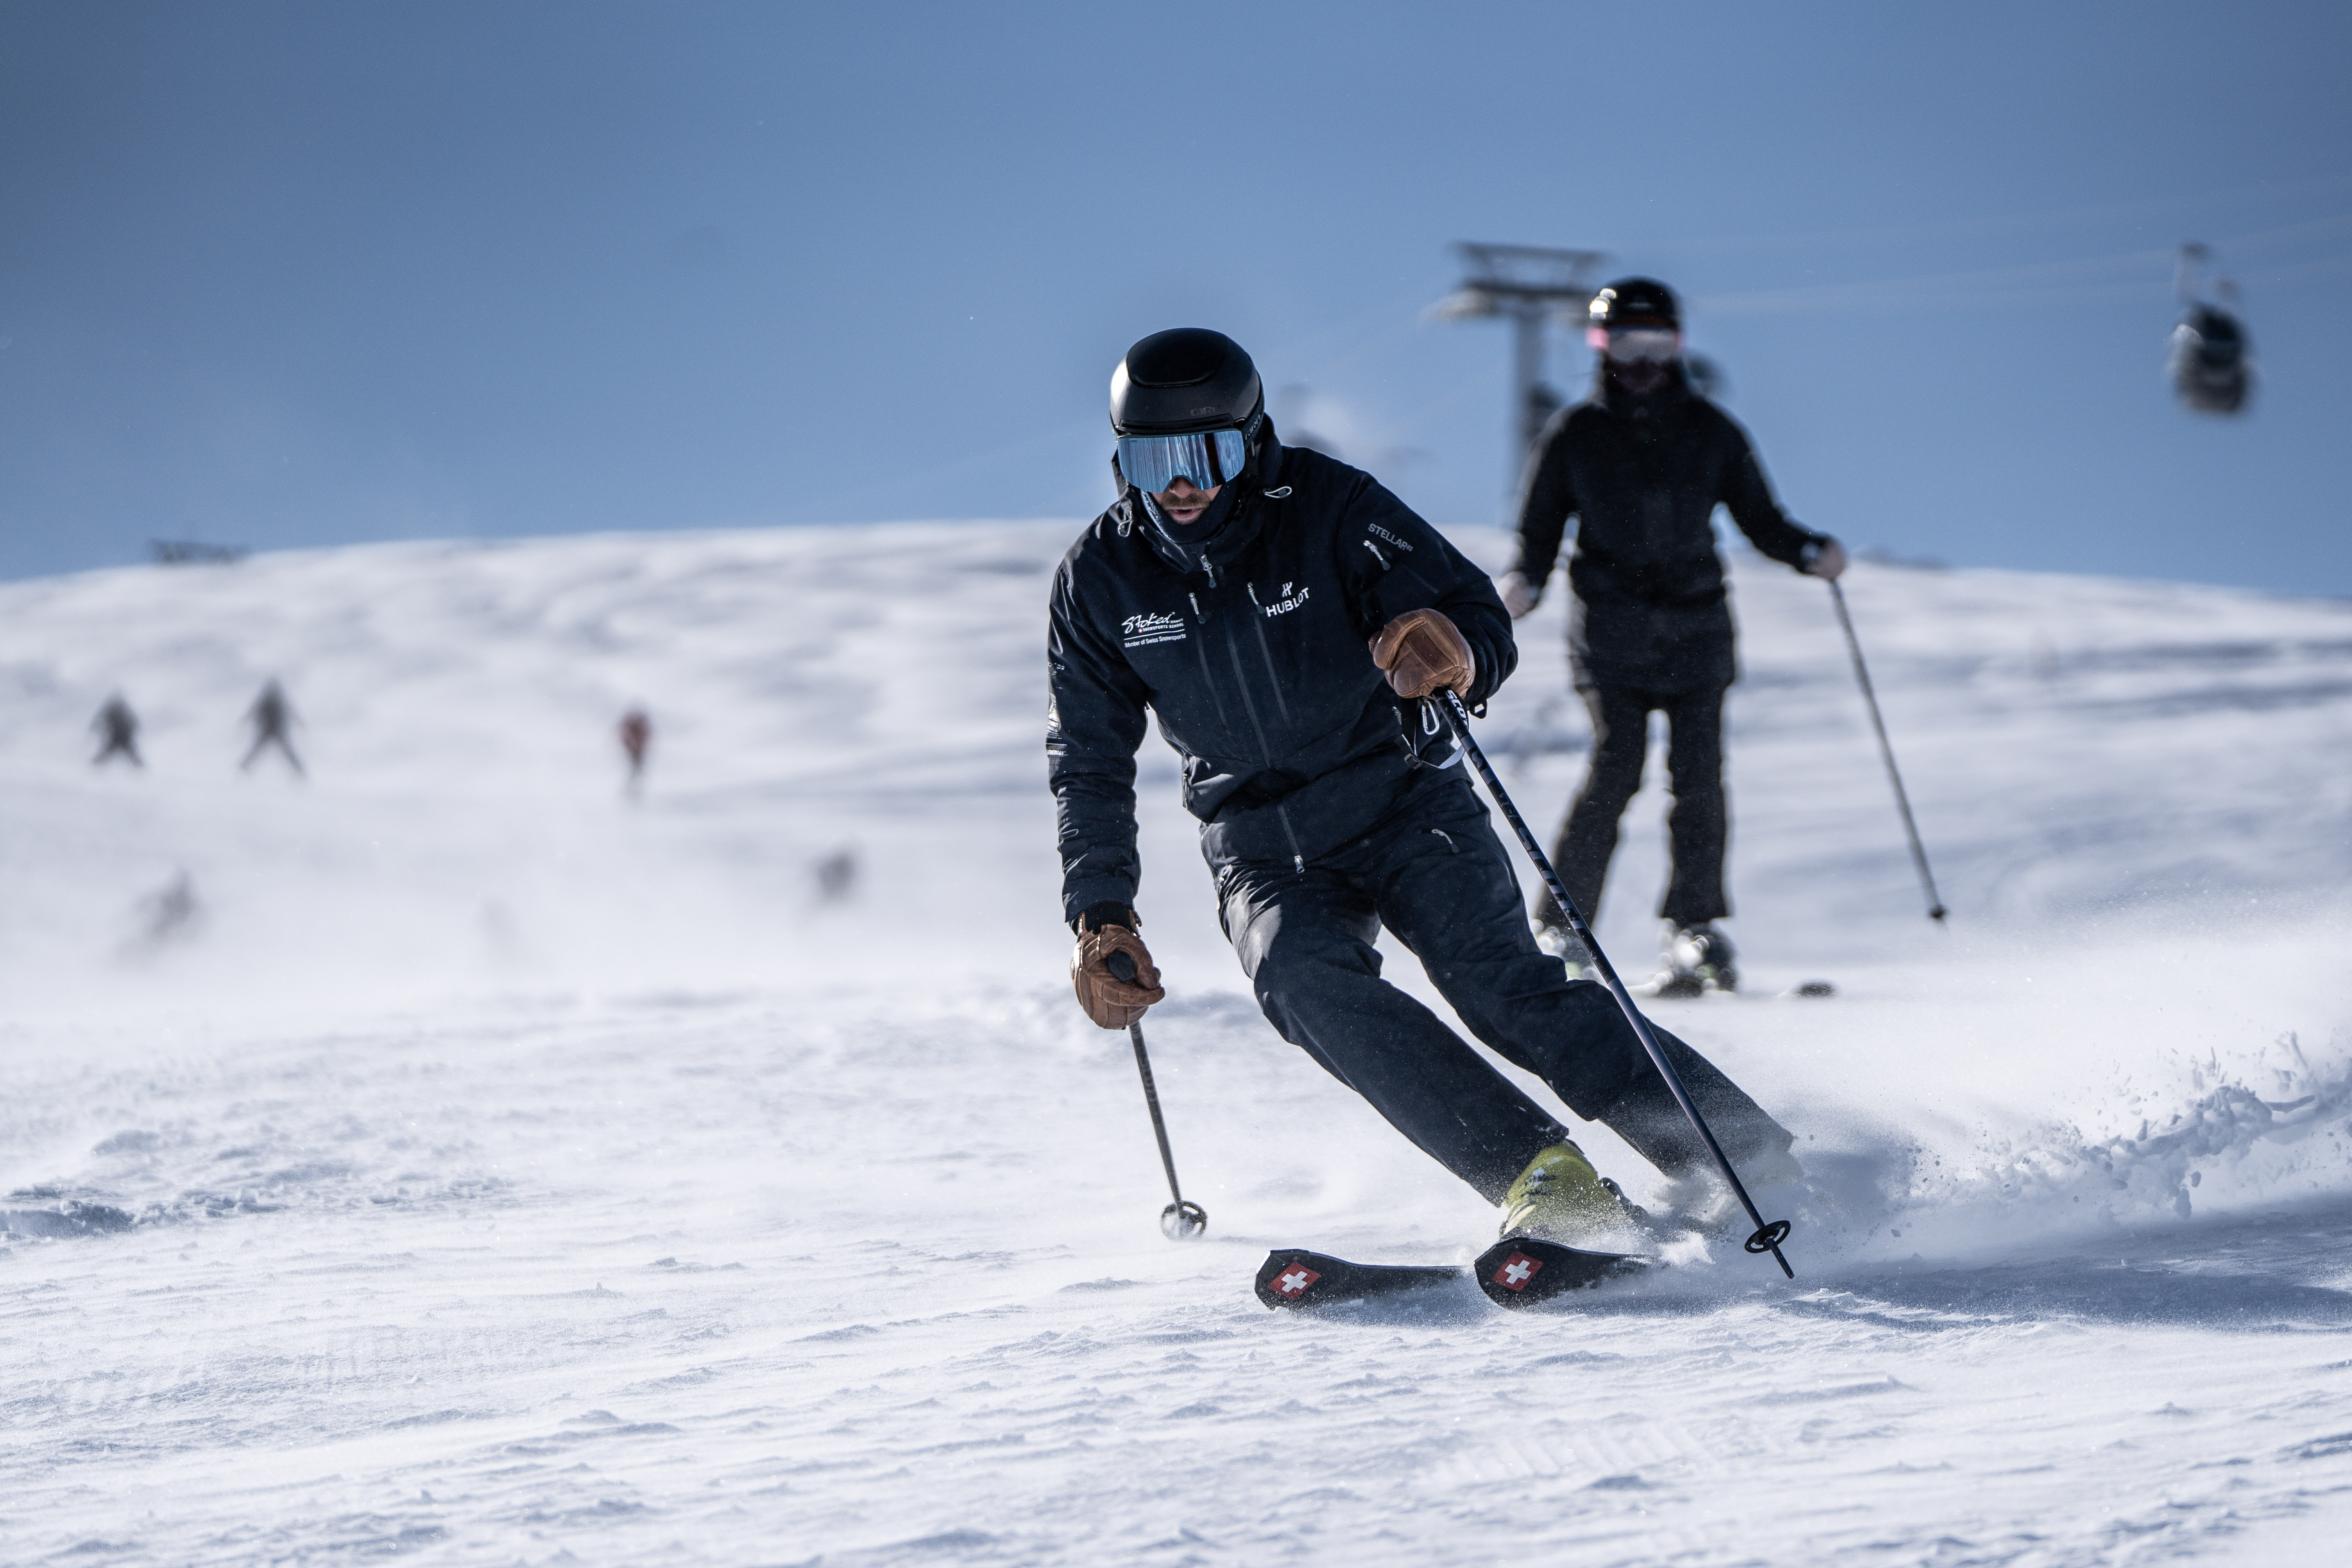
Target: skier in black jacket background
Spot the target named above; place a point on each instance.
(1287, 620)
(1641, 465)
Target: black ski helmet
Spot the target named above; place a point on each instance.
(1183, 380)
(1635, 302)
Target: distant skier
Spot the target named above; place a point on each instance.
(118, 729)
(1642, 464)
(836, 876)
(171, 913)
(1286, 619)
(636, 736)
(271, 717)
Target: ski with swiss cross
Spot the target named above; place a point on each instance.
(1513, 1272)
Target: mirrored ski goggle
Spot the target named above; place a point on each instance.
(1207, 458)
(1635, 345)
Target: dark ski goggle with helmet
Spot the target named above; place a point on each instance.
(1207, 458)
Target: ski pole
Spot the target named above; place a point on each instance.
(1902, 801)
(1179, 1221)
(1768, 1236)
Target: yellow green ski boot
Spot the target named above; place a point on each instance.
(1560, 1198)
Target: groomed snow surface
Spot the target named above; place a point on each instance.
(450, 1157)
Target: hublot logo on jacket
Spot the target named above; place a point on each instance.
(1287, 603)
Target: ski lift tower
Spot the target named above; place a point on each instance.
(1531, 286)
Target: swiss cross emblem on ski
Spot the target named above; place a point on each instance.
(1516, 1270)
(1293, 1281)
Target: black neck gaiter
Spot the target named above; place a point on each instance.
(1190, 540)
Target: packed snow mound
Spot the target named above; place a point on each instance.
(670, 1174)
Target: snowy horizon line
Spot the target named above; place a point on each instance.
(197, 555)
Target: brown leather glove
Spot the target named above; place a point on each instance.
(1423, 652)
(1110, 1001)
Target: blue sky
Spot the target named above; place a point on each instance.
(281, 275)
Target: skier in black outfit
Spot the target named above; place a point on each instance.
(271, 716)
(118, 729)
(1641, 465)
(1287, 618)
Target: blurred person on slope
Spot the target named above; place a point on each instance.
(636, 738)
(1641, 465)
(272, 717)
(118, 734)
(1287, 621)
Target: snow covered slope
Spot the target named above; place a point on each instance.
(513, 1169)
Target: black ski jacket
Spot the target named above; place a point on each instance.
(1257, 667)
(1642, 477)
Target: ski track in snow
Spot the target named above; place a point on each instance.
(473, 1166)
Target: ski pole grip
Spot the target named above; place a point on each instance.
(1122, 968)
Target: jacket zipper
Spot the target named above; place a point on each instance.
(1265, 750)
(1209, 675)
(1241, 679)
(1265, 651)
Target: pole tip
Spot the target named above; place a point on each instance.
(1769, 1239)
(1936, 913)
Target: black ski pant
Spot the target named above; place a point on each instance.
(1697, 826)
(1435, 874)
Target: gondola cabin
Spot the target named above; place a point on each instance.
(2210, 367)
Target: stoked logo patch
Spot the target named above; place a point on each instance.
(1142, 631)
